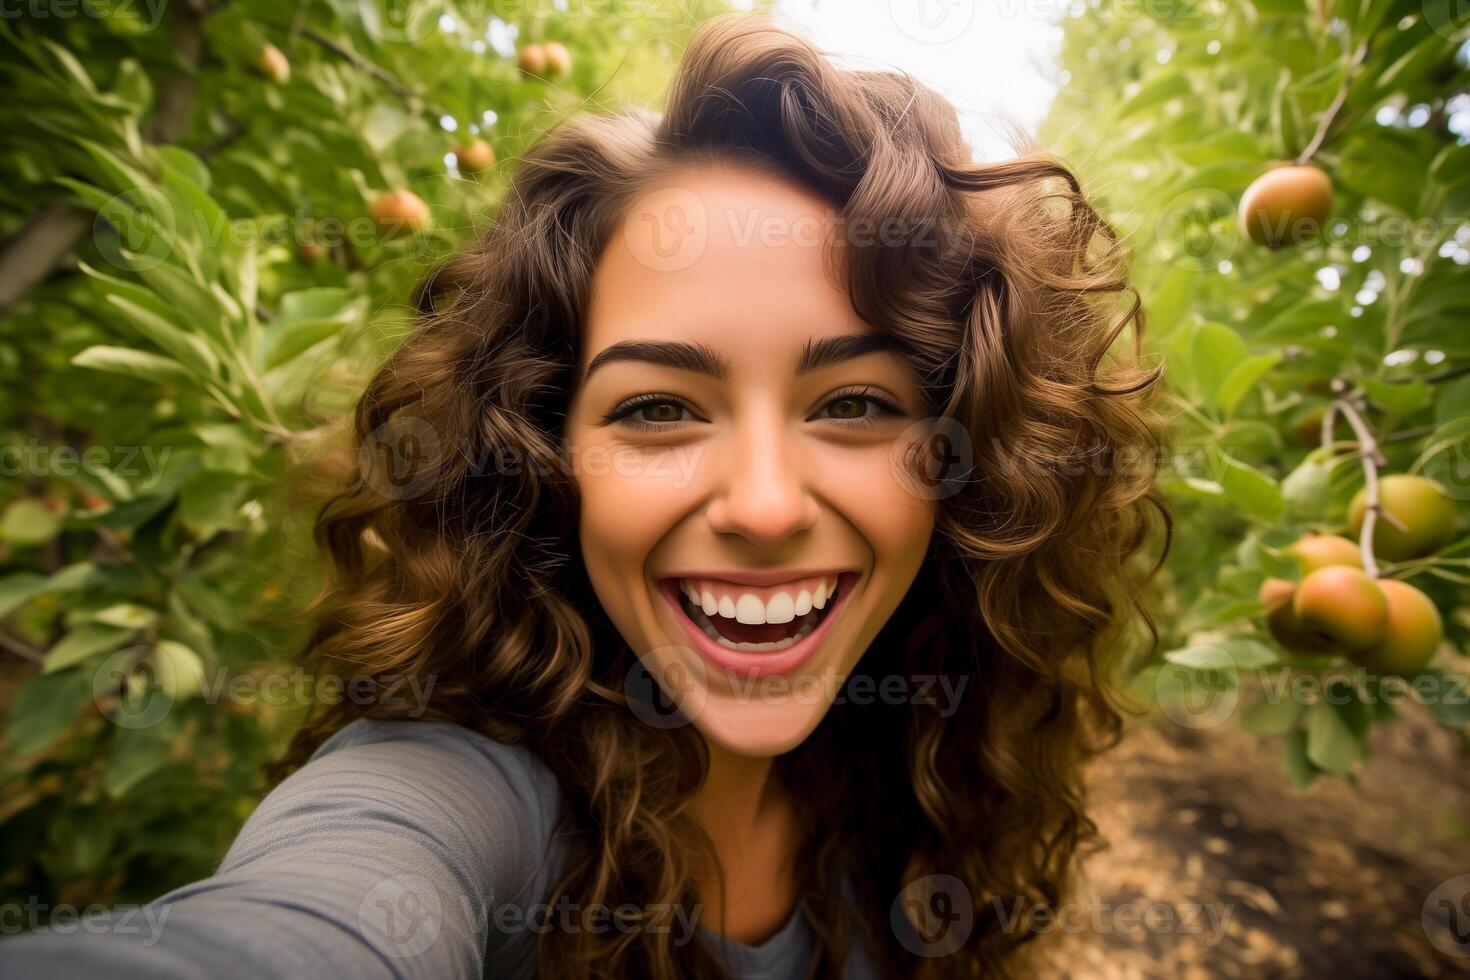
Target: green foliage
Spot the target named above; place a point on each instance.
(1171, 110)
(217, 284)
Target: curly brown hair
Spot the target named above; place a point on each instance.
(1010, 303)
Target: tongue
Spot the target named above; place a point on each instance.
(755, 633)
(737, 632)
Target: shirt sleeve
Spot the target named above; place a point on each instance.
(383, 856)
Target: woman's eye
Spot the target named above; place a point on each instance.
(650, 413)
(848, 407)
(659, 412)
(859, 409)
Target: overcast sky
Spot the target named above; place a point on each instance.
(992, 58)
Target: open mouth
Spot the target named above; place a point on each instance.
(760, 620)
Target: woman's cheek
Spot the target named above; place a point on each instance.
(866, 486)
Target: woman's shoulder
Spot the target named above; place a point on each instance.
(481, 799)
(388, 853)
(409, 743)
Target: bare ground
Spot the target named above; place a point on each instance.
(1254, 878)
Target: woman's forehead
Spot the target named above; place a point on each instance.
(728, 255)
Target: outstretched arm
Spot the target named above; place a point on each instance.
(384, 856)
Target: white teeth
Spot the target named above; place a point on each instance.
(803, 603)
(708, 603)
(726, 607)
(819, 598)
(710, 631)
(781, 609)
(750, 610)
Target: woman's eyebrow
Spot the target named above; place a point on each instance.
(703, 359)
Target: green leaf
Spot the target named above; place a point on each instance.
(1267, 717)
(210, 502)
(180, 671)
(1453, 402)
(83, 642)
(1451, 707)
(1157, 90)
(132, 86)
(1172, 298)
(1331, 744)
(292, 339)
(124, 615)
(1399, 399)
(134, 363)
(1215, 350)
(199, 308)
(1242, 378)
(1306, 488)
(28, 522)
(1231, 656)
(1250, 490)
(183, 347)
(71, 66)
(1294, 761)
(21, 587)
(1304, 320)
(45, 708)
(1377, 162)
(136, 754)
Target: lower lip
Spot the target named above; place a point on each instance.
(755, 665)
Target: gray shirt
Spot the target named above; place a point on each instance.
(401, 849)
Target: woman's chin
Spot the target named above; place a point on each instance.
(756, 726)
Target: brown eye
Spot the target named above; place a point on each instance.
(847, 408)
(660, 412)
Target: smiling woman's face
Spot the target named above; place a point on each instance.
(736, 434)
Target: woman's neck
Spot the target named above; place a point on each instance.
(747, 814)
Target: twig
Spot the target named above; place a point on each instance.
(1329, 116)
(1371, 458)
(1413, 433)
(363, 65)
(24, 650)
(233, 133)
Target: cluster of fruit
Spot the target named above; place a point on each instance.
(1382, 624)
(400, 210)
(551, 59)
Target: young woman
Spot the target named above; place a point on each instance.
(766, 503)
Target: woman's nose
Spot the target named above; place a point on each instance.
(763, 495)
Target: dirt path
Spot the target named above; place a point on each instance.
(1263, 880)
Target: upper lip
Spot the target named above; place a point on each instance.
(774, 576)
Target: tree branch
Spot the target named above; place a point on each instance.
(363, 65)
(1368, 451)
(22, 650)
(1329, 116)
(52, 232)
